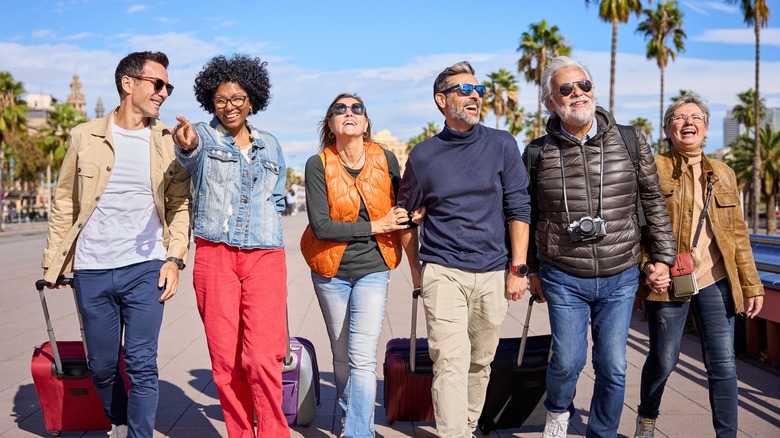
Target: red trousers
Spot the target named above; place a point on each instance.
(242, 300)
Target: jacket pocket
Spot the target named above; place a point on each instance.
(726, 205)
(87, 180)
(270, 172)
(222, 165)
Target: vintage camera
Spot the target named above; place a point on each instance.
(587, 228)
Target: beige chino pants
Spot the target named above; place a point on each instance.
(463, 313)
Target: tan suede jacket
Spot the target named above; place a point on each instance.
(724, 215)
(83, 178)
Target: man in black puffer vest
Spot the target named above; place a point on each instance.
(586, 247)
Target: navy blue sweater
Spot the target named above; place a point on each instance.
(471, 183)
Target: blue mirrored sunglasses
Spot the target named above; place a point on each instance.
(466, 89)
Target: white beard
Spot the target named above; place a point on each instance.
(576, 116)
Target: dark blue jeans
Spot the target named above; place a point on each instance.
(713, 311)
(572, 302)
(113, 301)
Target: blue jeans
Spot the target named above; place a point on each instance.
(112, 301)
(606, 302)
(353, 309)
(713, 311)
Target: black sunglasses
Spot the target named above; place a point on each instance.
(341, 108)
(466, 89)
(158, 83)
(567, 88)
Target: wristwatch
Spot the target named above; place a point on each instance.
(519, 270)
(179, 262)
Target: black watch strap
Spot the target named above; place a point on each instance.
(179, 262)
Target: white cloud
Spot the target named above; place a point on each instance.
(722, 7)
(43, 33)
(744, 36)
(136, 8)
(79, 36)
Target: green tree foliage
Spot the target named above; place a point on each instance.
(500, 95)
(537, 47)
(745, 110)
(741, 160)
(428, 131)
(62, 119)
(646, 128)
(755, 13)
(615, 12)
(662, 26)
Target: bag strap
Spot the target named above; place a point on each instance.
(703, 216)
(628, 133)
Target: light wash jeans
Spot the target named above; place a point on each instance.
(713, 310)
(353, 309)
(606, 302)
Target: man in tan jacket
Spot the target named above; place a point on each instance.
(120, 223)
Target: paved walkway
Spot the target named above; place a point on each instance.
(189, 406)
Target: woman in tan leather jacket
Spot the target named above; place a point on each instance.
(725, 272)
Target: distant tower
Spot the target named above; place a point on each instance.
(731, 129)
(99, 110)
(76, 97)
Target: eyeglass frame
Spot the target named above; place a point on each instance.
(461, 91)
(157, 83)
(241, 97)
(360, 112)
(680, 119)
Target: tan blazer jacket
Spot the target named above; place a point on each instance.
(83, 179)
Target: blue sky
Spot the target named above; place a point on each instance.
(389, 52)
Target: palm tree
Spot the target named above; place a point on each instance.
(745, 111)
(644, 126)
(538, 47)
(615, 11)
(682, 94)
(12, 120)
(660, 25)
(428, 131)
(515, 121)
(500, 95)
(755, 13)
(769, 181)
(62, 119)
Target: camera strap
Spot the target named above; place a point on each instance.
(601, 182)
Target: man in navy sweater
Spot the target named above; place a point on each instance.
(473, 185)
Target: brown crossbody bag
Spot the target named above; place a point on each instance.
(683, 272)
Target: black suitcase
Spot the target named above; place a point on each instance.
(517, 380)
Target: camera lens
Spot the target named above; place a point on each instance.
(587, 227)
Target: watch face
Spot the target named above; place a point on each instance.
(520, 269)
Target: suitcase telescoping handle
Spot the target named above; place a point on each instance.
(523, 340)
(40, 285)
(413, 335)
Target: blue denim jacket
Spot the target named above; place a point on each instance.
(236, 202)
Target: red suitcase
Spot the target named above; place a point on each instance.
(408, 371)
(64, 385)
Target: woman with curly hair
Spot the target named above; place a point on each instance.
(240, 272)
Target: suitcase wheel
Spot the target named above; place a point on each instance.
(55, 433)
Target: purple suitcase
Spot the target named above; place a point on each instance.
(300, 383)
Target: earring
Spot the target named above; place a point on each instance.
(365, 135)
(331, 135)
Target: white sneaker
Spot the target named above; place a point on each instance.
(118, 431)
(645, 427)
(556, 425)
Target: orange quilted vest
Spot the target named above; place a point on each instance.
(373, 185)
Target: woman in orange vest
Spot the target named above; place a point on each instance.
(351, 246)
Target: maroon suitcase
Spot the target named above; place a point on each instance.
(408, 371)
(62, 380)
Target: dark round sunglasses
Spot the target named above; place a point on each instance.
(341, 108)
(158, 84)
(466, 89)
(567, 88)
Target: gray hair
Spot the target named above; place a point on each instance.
(442, 81)
(689, 97)
(558, 63)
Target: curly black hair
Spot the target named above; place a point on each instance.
(250, 73)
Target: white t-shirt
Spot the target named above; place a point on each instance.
(124, 229)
